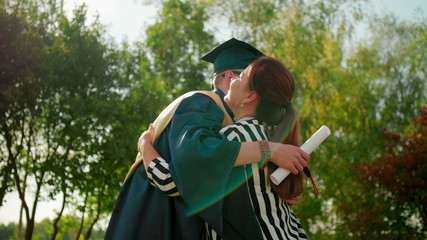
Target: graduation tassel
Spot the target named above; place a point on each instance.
(308, 174)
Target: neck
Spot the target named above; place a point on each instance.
(224, 89)
(245, 111)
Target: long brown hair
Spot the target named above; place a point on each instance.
(276, 87)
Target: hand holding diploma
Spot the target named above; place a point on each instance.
(312, 143)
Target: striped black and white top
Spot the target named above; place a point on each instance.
(274, 215)
(160, 177)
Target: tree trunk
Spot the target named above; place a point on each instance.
(30, 229)
(83, 219)
(56, 221)
(30, 219)
(98, 213)
(30, 222)
(19, 234)
(89, 231)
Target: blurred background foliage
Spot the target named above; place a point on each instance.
(73, 103)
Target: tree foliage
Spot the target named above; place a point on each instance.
(179, 37)
(59, 142)
(397, 179)
(21, 45)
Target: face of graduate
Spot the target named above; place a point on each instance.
(239, 90)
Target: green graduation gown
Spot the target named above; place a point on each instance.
(200, 161)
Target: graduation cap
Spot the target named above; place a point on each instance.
(232, 54)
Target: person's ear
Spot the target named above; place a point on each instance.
(229, 74)
(251, 98)
(227, 78)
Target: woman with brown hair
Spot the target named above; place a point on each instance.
(261, 100)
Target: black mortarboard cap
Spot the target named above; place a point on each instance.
(232, 54)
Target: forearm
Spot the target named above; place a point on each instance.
(285, 156)
(250, 152)
(149, 154)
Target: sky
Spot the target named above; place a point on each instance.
(127, 19)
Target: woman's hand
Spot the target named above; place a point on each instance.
(145, 146)
(146, 138)
(289, 157)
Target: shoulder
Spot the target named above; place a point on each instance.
(200, 106)
(197, 101)
(246, 130)
(243, 125)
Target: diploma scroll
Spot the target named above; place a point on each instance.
(312, 143)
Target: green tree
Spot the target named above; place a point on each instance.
(21, 68)
(176, 42)
(19, 88)
(393, 72)
(8, 231)
(63, 131)
(42, 230)
(80, 88)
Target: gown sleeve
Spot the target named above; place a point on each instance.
(201, 158)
